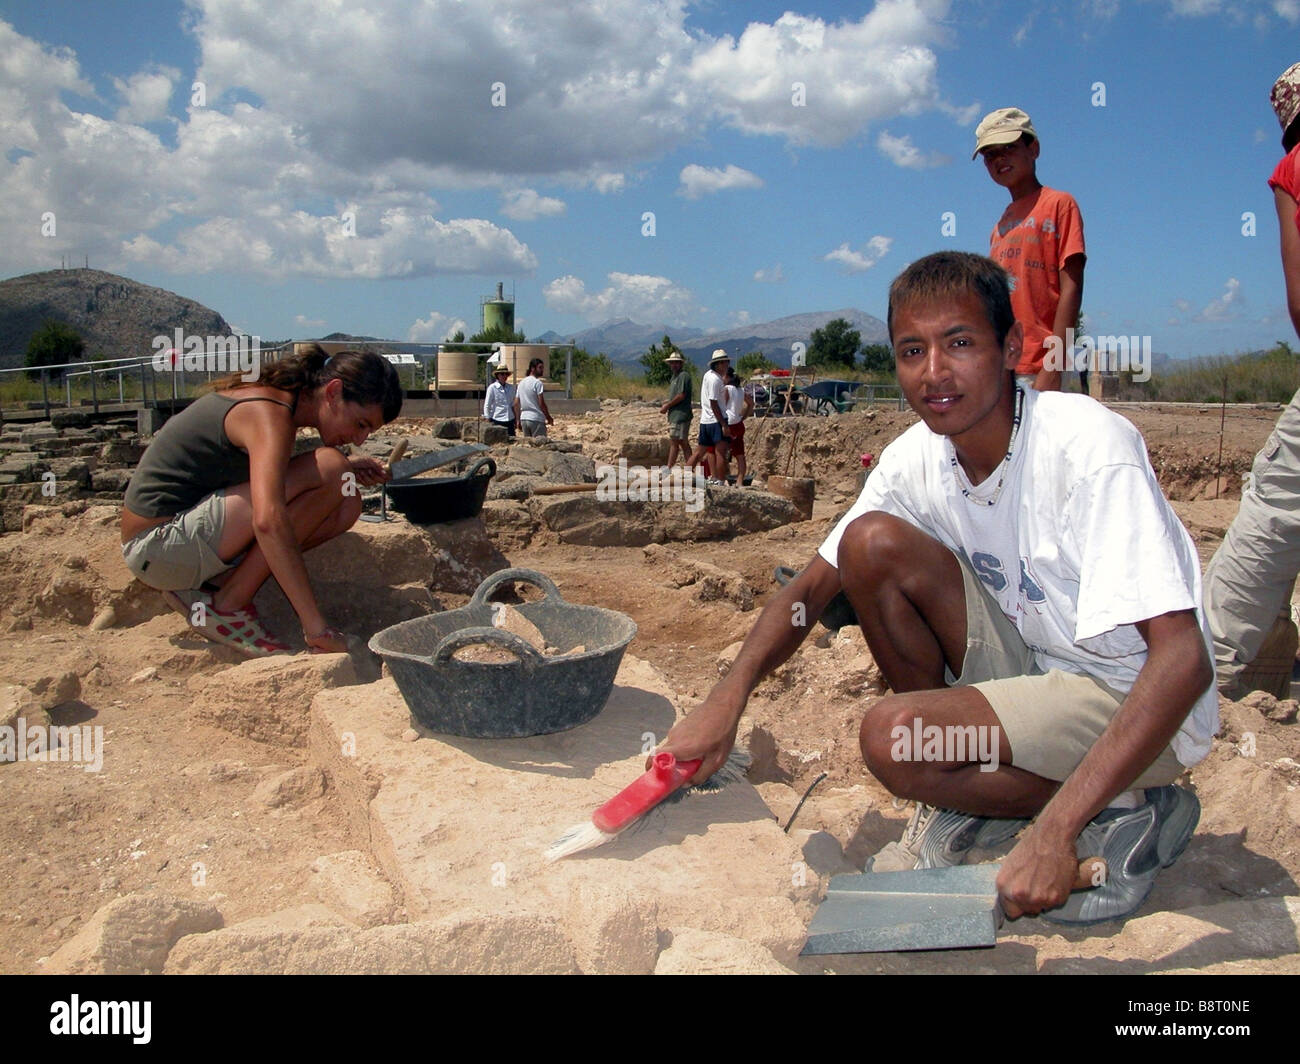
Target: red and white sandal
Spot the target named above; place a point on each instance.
(238, 629)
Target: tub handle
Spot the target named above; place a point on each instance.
(465, 637)
(524, 576)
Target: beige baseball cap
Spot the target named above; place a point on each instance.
(1003, 126)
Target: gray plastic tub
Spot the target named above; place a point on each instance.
(533, 695)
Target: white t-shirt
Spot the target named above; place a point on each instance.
(735, 408)
(1080, 545)
(499, 403)
(530, 390)
(711, 388)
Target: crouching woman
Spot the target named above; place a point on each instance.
(219, 502)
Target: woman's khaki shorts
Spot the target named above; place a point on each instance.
(1050, 719)
(182, 554)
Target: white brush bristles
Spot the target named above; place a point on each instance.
(585, 836)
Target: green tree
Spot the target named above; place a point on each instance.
(498, 334)
(877, 358)
(587, 366)
(656, 369)
(53, 344)
(834, 345)
(456, 342)
(754, 362)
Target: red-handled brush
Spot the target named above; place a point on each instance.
(666, 775)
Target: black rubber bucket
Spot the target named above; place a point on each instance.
(533, 695)
(437, 499)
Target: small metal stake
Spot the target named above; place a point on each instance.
(383, 508)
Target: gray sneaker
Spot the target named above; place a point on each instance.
(1136, 844)
(1179, 811)
(941, 838)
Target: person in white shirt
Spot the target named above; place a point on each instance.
(738, 406)
(531, 412)
(499, 403)
(1033, 602)
(713, 419)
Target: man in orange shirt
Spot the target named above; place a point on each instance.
(1038, 241)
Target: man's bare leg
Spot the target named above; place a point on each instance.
(908, 593)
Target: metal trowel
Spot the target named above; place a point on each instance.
(394, 457)
(930, 908)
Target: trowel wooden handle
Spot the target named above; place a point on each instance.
(398, 451)
(560, 489)
(1092, 872)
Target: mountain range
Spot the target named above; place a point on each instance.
(624, 340)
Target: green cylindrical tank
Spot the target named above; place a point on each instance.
(499, 312)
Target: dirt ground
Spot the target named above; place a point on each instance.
(177, 807)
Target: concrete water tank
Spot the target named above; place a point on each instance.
(517, 357)
(458, 371)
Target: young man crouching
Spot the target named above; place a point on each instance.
(1016, 570)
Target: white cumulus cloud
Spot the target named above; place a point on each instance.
(697, 181)
(860, 261)
(607, 184)
(641, 297)
(902, 152)
(589, 91)
(435, 328)
(146, 94)
(1227, 306)
(814, 82)
(525, 204)
(773, 276)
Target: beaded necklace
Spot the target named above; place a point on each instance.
(1006, 461)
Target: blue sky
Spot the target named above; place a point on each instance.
(237, 193)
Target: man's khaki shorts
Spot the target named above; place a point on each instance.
(679, 430)
(1050, 719)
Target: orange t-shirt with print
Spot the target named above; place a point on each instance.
(1032, 240)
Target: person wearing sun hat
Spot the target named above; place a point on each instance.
(713, 419)
(1248, 584)
(499, 403)
(1038, 241)
(678, 408)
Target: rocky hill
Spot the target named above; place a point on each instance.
(116, 316)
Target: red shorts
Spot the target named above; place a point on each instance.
(737, 438)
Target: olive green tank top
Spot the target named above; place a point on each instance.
(190, 458)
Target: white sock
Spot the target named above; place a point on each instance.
(1128, 800)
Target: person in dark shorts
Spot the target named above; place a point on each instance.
(713, 419)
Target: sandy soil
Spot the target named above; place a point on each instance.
(175, 805)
